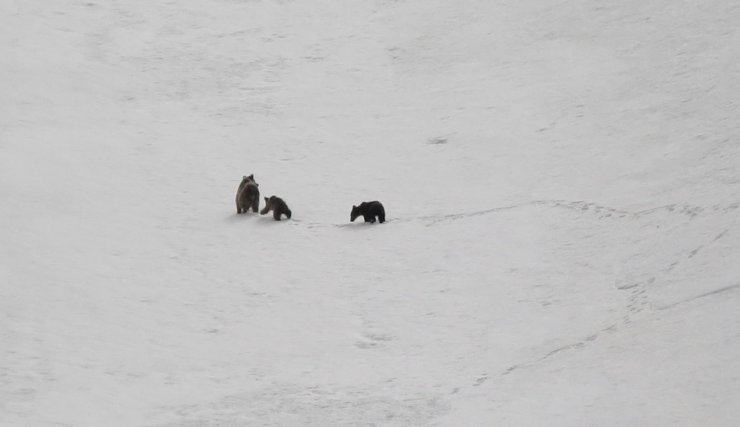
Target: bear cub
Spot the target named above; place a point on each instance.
(277, 206)
(248, 195)
(369, 210)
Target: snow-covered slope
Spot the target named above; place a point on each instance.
(562, 181)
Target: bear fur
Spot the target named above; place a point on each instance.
(248, 195)
(277, 206)
(369, 211)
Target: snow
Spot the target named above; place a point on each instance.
(562, 185)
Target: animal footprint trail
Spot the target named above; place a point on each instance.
(603, 212)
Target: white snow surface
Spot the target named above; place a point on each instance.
(561, 179)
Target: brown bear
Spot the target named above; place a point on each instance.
(248, 195)
(277, 206)
(369, 210)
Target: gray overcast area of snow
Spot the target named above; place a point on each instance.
(561, 182)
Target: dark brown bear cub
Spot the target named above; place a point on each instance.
(369, 210)
(248, 195)
(277, 206)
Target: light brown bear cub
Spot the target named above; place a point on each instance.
(248, 195)
(277, 206)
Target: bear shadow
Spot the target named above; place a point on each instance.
(357, 226)
(235, 217)
(267, 218)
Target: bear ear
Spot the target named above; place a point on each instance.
(251, 176)
(244, 177)
(354, 207)
(266, 199)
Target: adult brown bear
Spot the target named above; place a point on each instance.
(248, 195)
